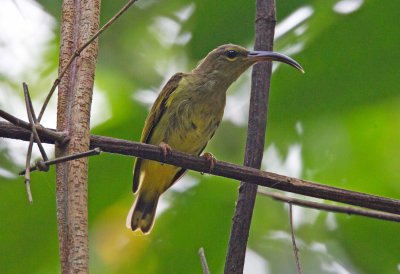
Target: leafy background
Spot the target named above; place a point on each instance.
(337, 124)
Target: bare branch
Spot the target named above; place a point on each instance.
(332, 208)
(224, 169)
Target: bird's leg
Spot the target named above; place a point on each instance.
(166, 149)
(211, 159)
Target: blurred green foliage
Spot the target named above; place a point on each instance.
(343, 114)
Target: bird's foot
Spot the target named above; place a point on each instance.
(166, 149)
(211, 160)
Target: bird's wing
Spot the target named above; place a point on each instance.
(182, 171)
(152, 120)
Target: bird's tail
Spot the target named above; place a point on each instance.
(142, 213)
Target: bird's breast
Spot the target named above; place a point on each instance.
(193, 120)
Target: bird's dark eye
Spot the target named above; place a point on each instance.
(231, 54)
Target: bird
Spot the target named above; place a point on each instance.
(184, 117)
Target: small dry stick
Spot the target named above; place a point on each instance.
(295, 249)
(28, 169)
(33, 121)
(28, 175)
(43, 165)
(203, 261)
(332, 208)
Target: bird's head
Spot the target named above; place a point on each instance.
(230, 61)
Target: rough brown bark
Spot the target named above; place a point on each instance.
(80, 20)
(265, 26)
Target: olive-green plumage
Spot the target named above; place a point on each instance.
(185, 116)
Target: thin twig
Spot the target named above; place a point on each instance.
(295, 249)
(78, 52)
(332, 208)
(27, 173)
(51, 134)
(103, 28)
(43, 165)
(28, 100)
(227, 170)
(28, 190)
(203, 261)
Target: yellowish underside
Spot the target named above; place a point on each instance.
(156, 177)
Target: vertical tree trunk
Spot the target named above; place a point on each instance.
(265, 26)
(80, 20)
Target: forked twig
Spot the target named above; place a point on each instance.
(53, 88)
(34, 135)
(33, 121)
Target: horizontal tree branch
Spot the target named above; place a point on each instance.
(51, 134)
(224, 169)
(331, 208)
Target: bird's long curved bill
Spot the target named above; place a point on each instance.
(259, 56)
